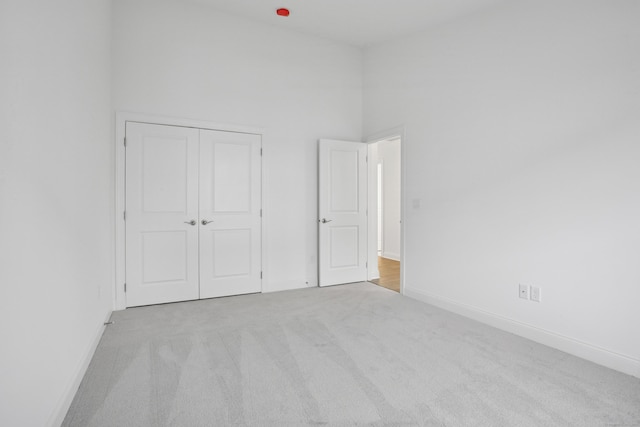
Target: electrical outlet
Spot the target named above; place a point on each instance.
(523, 291)
(535, 294)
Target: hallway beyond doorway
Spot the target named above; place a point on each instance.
(389, 274)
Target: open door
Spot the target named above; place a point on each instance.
(342, 212)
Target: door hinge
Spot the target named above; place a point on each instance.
(261, 274)
(124, 215)
(261, 151)
(125, 288)
(366, 264)
(125, 141)
(260, 213)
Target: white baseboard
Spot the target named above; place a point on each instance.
(391, 255)
(289, 285)
(58, 415)
(599, 355)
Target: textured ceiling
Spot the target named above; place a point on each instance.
(356, 22)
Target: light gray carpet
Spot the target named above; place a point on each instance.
(341, 356)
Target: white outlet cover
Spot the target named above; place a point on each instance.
(523, 291)
(535, 294)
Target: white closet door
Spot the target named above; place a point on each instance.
(161, 201)
(342, 208)
(230, 223)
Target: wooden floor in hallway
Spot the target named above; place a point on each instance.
(389, 274)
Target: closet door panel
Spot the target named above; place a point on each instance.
(161, 200)
(230, 223)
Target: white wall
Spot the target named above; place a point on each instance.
(55, 201)
(189, 61)
(522, 126)
(389, 155)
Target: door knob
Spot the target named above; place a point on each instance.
(192, 222)
(324, 220)
(205, 222)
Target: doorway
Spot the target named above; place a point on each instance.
(385, 200)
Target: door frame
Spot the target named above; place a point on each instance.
(121, 119)
(372, 258)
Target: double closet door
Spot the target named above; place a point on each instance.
(193, 213)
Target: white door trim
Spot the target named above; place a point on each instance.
(398, 131)
(122, 117)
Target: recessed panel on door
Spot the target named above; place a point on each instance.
(344, 250)
(161, 214)
(163, 255)
(230, 244)
(232, 177)
(164, 174)
(231, 253)
(344, 181)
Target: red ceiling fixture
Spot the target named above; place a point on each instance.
(282, 12)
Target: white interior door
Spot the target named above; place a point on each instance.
(161, 214)
(230, 213)
(342, 208)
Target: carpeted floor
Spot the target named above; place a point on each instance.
(341, 356)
